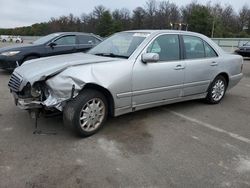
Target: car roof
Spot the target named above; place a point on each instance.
(73, 33)
(162, 31)
(79, 33)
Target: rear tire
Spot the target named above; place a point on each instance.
(86, 113)
(216, 90)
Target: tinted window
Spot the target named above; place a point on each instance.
(45, 39)
(67, 40)
(209, 50)
(194, 47)
(85, 39)
(167, 46)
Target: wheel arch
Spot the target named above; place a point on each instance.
(225, 75)
(106, 93)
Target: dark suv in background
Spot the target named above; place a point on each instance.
(244, 50)
(52, 44)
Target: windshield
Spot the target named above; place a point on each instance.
(247, 44)
(45, 39)
(120, 44)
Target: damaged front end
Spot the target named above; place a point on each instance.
(42, 94)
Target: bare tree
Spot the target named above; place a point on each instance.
(98, 11)
(138, 18)
(244, 17)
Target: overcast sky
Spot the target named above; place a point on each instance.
(15, 13)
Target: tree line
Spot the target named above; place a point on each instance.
(213, 20)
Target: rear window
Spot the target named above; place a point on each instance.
(66, 40)
(194, 47)
(209, 50)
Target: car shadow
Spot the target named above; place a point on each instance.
(120, 127)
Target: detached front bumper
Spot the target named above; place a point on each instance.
(50, 96)
(27, 104)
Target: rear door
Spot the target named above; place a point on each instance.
(63, 45)
(201, 65)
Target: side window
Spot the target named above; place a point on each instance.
(155, 48)
(194, 47)
(209, 50)
(66, 40)
(85, 39)
(167, 46)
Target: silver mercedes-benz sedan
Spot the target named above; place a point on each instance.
(129, 71)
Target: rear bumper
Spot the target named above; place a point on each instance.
(234, 80)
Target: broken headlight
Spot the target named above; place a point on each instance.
(36, 90)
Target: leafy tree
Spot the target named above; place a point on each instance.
(105, 25)
(198, 18)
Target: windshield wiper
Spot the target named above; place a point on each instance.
(111, 55)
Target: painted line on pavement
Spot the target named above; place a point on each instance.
(212, 127)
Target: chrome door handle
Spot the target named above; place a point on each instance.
(214, 63)
(179, 67)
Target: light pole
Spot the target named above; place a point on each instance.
(171, 25)
(180, 26)
(212, 35)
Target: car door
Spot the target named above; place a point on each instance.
(85, 42)
(62, 45)
(154, 83)
(201, 65)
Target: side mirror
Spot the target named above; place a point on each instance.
(150, 57)
(52, 44)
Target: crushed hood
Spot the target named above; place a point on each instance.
(38, 69)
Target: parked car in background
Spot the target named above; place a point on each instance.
(244, 50)
(5, 38)
(10, 38)
(127, 72)
(17, 39)
(53, 44)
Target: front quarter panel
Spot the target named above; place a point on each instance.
(114, 76)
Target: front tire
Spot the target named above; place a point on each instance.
(216, 90)
(86, 113)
